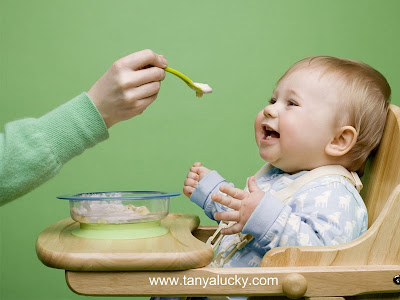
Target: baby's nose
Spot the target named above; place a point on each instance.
(270, 111)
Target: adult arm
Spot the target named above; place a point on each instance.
(33, 150)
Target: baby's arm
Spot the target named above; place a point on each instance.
(327, 214)
(200, 184)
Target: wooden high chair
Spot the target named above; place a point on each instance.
(365, 268)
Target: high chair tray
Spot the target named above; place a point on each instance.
(58, 248)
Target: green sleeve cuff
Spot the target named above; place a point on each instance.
(73, 127)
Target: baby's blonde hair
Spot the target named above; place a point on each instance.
(365, 102)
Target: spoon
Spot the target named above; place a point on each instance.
(199, 88)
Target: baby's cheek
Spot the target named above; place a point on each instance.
(257, 127)
(291, 131)
(302, 135)
(258, 120)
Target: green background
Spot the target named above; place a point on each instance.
(54, 50)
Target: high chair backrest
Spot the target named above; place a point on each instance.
(383, 168)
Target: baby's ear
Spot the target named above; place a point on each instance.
(343, 142)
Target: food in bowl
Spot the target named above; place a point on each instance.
(119, 207)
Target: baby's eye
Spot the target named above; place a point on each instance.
(292, 103)
(272, 101)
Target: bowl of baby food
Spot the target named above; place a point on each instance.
(119, 214)
(118, 207)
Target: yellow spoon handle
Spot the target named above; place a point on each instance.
(186, 79)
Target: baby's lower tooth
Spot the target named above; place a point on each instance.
(268, 137)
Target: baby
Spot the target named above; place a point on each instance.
(324, 118)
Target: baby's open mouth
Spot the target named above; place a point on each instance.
(269, 133)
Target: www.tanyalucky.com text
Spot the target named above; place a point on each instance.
(213, 281)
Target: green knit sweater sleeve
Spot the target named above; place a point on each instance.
(33, 150)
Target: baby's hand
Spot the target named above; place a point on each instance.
(129, 86)
(197, 173)
(242, 202)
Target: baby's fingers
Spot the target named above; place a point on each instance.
(202, 171)
(195, 170)
(191, 182)
(231, 215)
(188, 191)
(235, 228)
(233, 192)
(227, 201)
(193, 176)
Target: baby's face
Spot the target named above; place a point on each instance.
(293, 130)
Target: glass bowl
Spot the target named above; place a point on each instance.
(118, 207)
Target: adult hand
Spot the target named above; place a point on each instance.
(197, 173)
(242, 202)
(129, 86)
